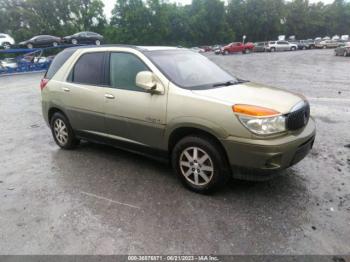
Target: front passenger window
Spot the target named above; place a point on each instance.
(123, 70)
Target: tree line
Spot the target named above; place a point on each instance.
(161, 22)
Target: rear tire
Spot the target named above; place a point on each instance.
(54, 44)
(200, 164)
(97, 42)
(62, 132)
(74, 41)
(293, 48)
(272, 49)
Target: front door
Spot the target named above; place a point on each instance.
(133, 114)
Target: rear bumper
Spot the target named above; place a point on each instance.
(270, 154)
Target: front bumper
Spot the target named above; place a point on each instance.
(270, 154)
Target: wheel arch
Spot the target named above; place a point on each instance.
(180, 132)
(54, 110)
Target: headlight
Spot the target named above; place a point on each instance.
(264, 126)
(260, 120)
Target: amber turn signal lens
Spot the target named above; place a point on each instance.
(254, 110)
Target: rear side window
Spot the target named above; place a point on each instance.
(58, 61)
(89, 69)
(123, 70)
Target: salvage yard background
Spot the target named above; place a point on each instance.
(100, 200)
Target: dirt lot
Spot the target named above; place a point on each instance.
(100, 200)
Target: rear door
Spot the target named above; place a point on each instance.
(84, 93)
(91, 37)
(82, 38)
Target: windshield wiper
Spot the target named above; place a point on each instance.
(230, 83)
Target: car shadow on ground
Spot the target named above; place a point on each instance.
(119, 165)
(143, 198)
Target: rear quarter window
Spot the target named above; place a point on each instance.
(89, 69)
(58, 61)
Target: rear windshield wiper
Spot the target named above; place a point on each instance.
(230, 83)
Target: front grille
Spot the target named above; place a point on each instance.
(299, 117)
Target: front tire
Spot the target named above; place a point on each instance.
(200, 164)
(293, 48)
(98, 42)
(54, 44)
(62, 132)
(272, 49)
(74, 41)
(225, 52)
(29, 46)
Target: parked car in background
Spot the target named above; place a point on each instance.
(300, 45)
(309, 43)
(84, 38)
(9, 63)
(6, 41)
(41, 41)
(197, 50)
(273, 46)
(206, 48)
(343, 49)
(175, 105)
(260, 47)
(237, 47)
(327, 44)
(217, 49)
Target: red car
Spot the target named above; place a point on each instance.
(237, 47)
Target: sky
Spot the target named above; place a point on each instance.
(109, 4)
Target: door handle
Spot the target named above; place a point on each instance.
(66, 89)
(109, 96)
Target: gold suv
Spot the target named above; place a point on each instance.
(175, 104)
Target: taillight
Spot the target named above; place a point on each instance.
(43, 83)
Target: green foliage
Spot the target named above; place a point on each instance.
(161, 22)
(26, 18)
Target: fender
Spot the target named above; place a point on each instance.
(191, 122)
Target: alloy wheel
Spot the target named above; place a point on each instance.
(196, 166)
(61, 132)
(97, 42)
(74, 41)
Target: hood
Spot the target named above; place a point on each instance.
(254, 94)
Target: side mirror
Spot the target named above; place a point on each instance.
(148, 81)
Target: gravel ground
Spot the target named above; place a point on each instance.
(100, 200)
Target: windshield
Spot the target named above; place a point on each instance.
(190, 70)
